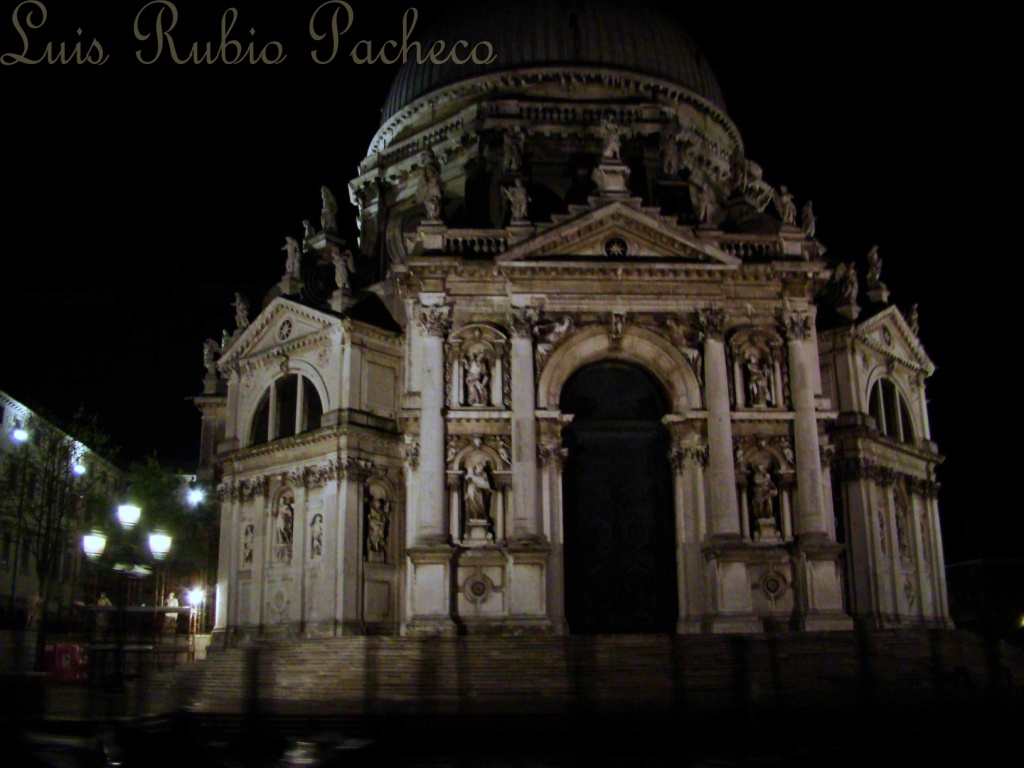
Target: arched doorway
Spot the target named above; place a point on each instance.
(620, 563)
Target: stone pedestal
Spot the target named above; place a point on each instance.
(878, 294)
(612, 179)
(290, 285)
(428, 592)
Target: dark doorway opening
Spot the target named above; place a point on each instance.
(620, 563)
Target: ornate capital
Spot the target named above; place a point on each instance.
(521, 322)
(552, 456)
(354, 468)
(436, 321)
(712, 323)
(681, 455)
(797, 326)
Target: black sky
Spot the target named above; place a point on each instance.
(138, 199)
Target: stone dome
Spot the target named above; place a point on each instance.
(633, 37)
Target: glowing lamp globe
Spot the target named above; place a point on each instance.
(195, 496)
(93, 544)
(78, 468)
(196, 597)
(159, 545)
(128, 515)
(19, 435)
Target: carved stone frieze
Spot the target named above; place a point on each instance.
(435, 321)
(252, 487)
(317, 476)
(827, 453)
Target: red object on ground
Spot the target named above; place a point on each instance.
(68, 665)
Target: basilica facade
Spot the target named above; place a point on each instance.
(587, 371)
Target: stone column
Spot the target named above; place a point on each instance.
(810, 508)
(431, 528)
(526, 525)
(227, 567)
(725, 520)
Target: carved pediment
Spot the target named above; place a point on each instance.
(618, 232)
(283, 325)
(888, 334)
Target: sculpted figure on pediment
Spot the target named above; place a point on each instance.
(292, 262)
(808, 221)
(785, 205)
(241, 312)
(329, 213)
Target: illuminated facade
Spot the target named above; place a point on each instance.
(599, 377)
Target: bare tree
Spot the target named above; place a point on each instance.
(58, 485)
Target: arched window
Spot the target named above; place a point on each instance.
(290, 406)
(890, 411)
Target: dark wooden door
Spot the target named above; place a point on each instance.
(620, 569)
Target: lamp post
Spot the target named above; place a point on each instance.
(126, 557)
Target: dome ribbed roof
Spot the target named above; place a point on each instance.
(634, 37)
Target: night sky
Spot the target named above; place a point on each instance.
(138, 199)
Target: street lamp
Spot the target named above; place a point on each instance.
(125, 555)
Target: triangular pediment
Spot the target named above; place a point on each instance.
(888, 333)
(619, 232)
(283, 324)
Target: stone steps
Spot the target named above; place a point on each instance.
(365, 675)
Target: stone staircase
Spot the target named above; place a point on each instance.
(580, 677)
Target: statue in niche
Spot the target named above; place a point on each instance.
(248, 542)
(431, 192)
(785, 205)
(477, 493)
(291, 264)
(518, 200)
(284, 522)
(808, 221)
(478, 379)
(874, 278)
(762, 504)
(344, 266)
(612, 141)
(241, 312)
(316, 537)
(211, 351)
(329, 213)
(758, 382)
(377, 528)
(513, 151)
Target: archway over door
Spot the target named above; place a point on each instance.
(620, 561)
